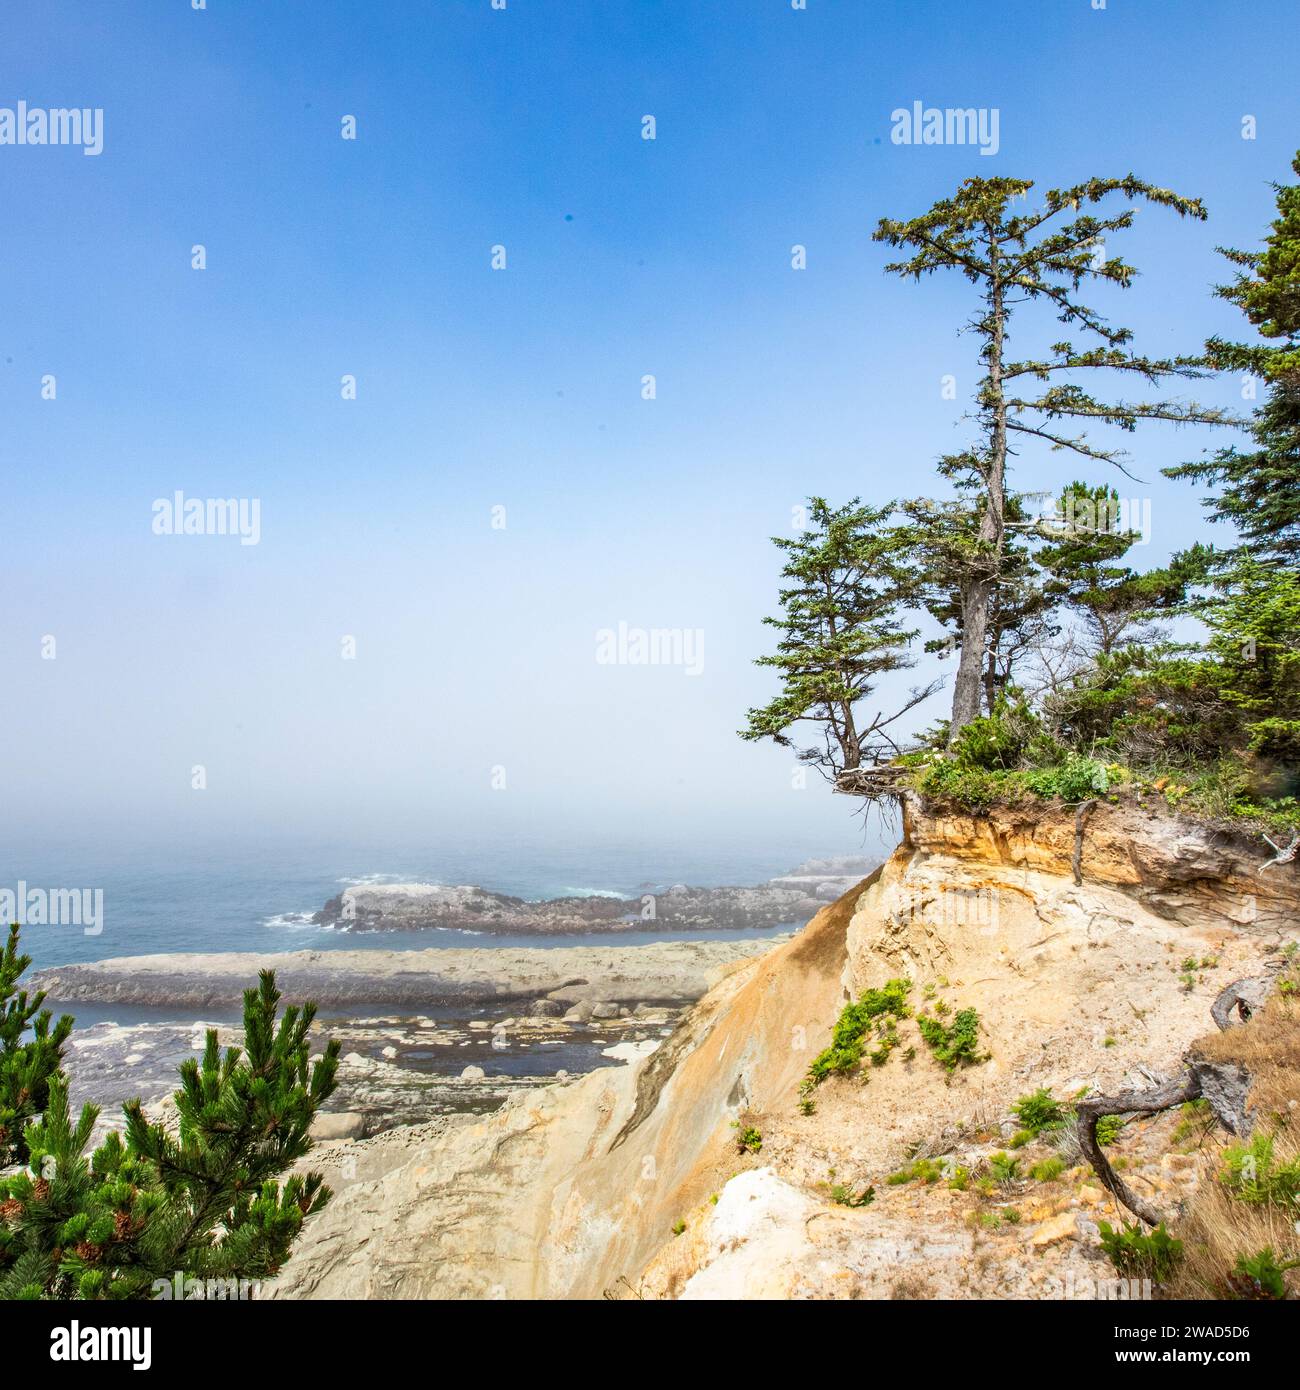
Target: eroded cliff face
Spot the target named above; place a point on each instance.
(575, 1191)
(1188, 872)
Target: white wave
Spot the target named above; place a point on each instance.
(356, 880)
(587, 893)
(290, 919)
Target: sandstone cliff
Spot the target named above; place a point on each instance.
(630, 1182)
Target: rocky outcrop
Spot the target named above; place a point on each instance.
(789, 900)
(663, 972)
(607, 1184)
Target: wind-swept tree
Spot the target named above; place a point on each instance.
(1259, 490)
(1041, 256)
(840, 632)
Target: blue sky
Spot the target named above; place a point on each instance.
(519, 388)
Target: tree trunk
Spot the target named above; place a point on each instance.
(977, 591)
(991, 677)
(969, 684)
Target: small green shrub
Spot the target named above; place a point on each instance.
(846, 1197)
(748, 1139)
(1048, 1170)
(1003, 1169)
(1134, 1253)
(879, 1008)
(1108, 1128)
(1076, 779)
(925, 1170)
(955, 1044)
(1252, 1175)
(1260, 1276)
(1040, 1111)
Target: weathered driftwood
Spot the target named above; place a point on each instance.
(1224, 1086)
(1241, 997)
(1089, 1111)
(1282, 854)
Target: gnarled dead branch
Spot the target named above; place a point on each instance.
(1223, 1086)
(1241, 997)
(1091, 1110)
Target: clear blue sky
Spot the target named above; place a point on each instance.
(523, 387)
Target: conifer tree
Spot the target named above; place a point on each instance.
(26, 1066)
(203, 1202)
(840, 632)
(1260, 489)
(1254, 621)
(1115, 604)
(1040, 256)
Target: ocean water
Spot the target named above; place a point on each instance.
(257, 894)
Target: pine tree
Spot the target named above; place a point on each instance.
(203, 1203)
(840, 633)
(1254, 622)
(1039, 257)
(1260, 490)
(26, 1067)
(1115, 604)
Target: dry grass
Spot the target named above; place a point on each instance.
(1218, 1227)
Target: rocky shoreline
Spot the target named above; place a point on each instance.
(669, 972)
(396, 1068)
(791, 899)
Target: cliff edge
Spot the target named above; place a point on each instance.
(711, 1169)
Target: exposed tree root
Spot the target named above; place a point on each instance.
(1076, 859)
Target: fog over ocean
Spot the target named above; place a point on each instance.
(248, 894)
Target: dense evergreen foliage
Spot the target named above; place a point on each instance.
(161, 1208)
